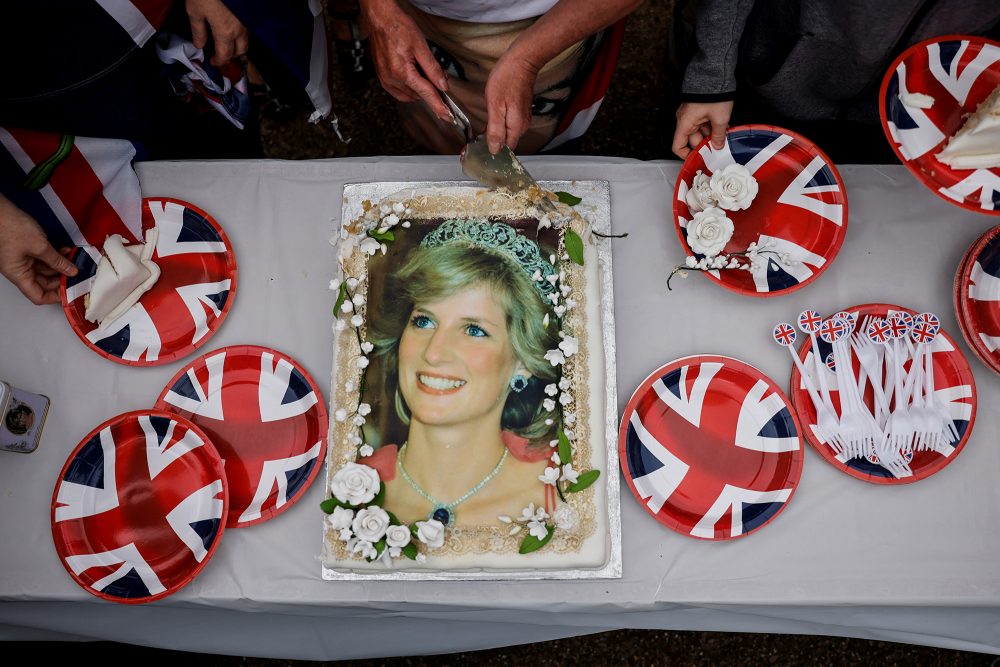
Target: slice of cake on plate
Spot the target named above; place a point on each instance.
(977, 144)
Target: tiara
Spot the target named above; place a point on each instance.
(498, 238)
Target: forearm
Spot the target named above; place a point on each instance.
(568, 22)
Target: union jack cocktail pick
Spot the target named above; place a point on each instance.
(809, 322)
(826, 430)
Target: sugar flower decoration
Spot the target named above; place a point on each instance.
(569, 345)
(709, 232)
(550, 476)
(397, 536)
(538, 529)
(355, 484)
(341, 518)
(700, 195)
(565, 517)
(370, 523)
(734, 187)
(431, 533)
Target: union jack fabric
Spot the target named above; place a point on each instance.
(79, 189)
(958, 73)
(225, 88)
(980, 312)
(954, 388)
(588, 99)
(800, 207)
(710, 447)
(265, 415)
(190, 300)
(138, 509)
(295, 32)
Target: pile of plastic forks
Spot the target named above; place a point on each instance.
(904, 414)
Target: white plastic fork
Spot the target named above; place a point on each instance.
(867, 431)
(949, 434)
(827, 425)
(925, 420)
(870, 355)
(900, 428)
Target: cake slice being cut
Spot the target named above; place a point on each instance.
(977, 144)
(124, 274)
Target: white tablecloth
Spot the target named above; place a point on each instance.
(915, 563)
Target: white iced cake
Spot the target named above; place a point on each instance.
(976, 145)
(415, 390)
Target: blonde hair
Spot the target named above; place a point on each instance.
(432, 274)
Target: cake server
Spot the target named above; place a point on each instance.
(502, 170)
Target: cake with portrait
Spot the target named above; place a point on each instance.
(473, 435)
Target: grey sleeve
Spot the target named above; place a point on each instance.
(718, 29)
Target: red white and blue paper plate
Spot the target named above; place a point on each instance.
(265, 415)
(710, 447)
(196, 289)
(137, 511)
(954, 386)
(801, 206)
(977, 298)
(959, 72)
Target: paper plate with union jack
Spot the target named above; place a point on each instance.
(799, 212)
(265, 415)
(139, 506)
(196, 289)
(710, 447)
(957, 72)
(954, 388)
(978, 298)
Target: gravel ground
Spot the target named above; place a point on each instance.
(633, 122)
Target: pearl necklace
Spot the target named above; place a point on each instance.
(445, 512)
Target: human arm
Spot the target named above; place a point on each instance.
(510, 86)
(709, 84)
(212, 17)
(27, 259)
(400, 52)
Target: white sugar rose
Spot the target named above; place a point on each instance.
(341, 518)
(709, 232)
(355, 484)
(397, 536)
(565, 517)
(371, 523)
(700, 195)
(734, 187)
(431, 533)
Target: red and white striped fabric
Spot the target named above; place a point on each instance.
(92, 192)
(139, 18)
(588, 99)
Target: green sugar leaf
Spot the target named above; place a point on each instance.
(584, 480)
(568, 199)
(574, 246)
(532, 543)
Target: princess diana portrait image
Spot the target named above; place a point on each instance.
(460, 334)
